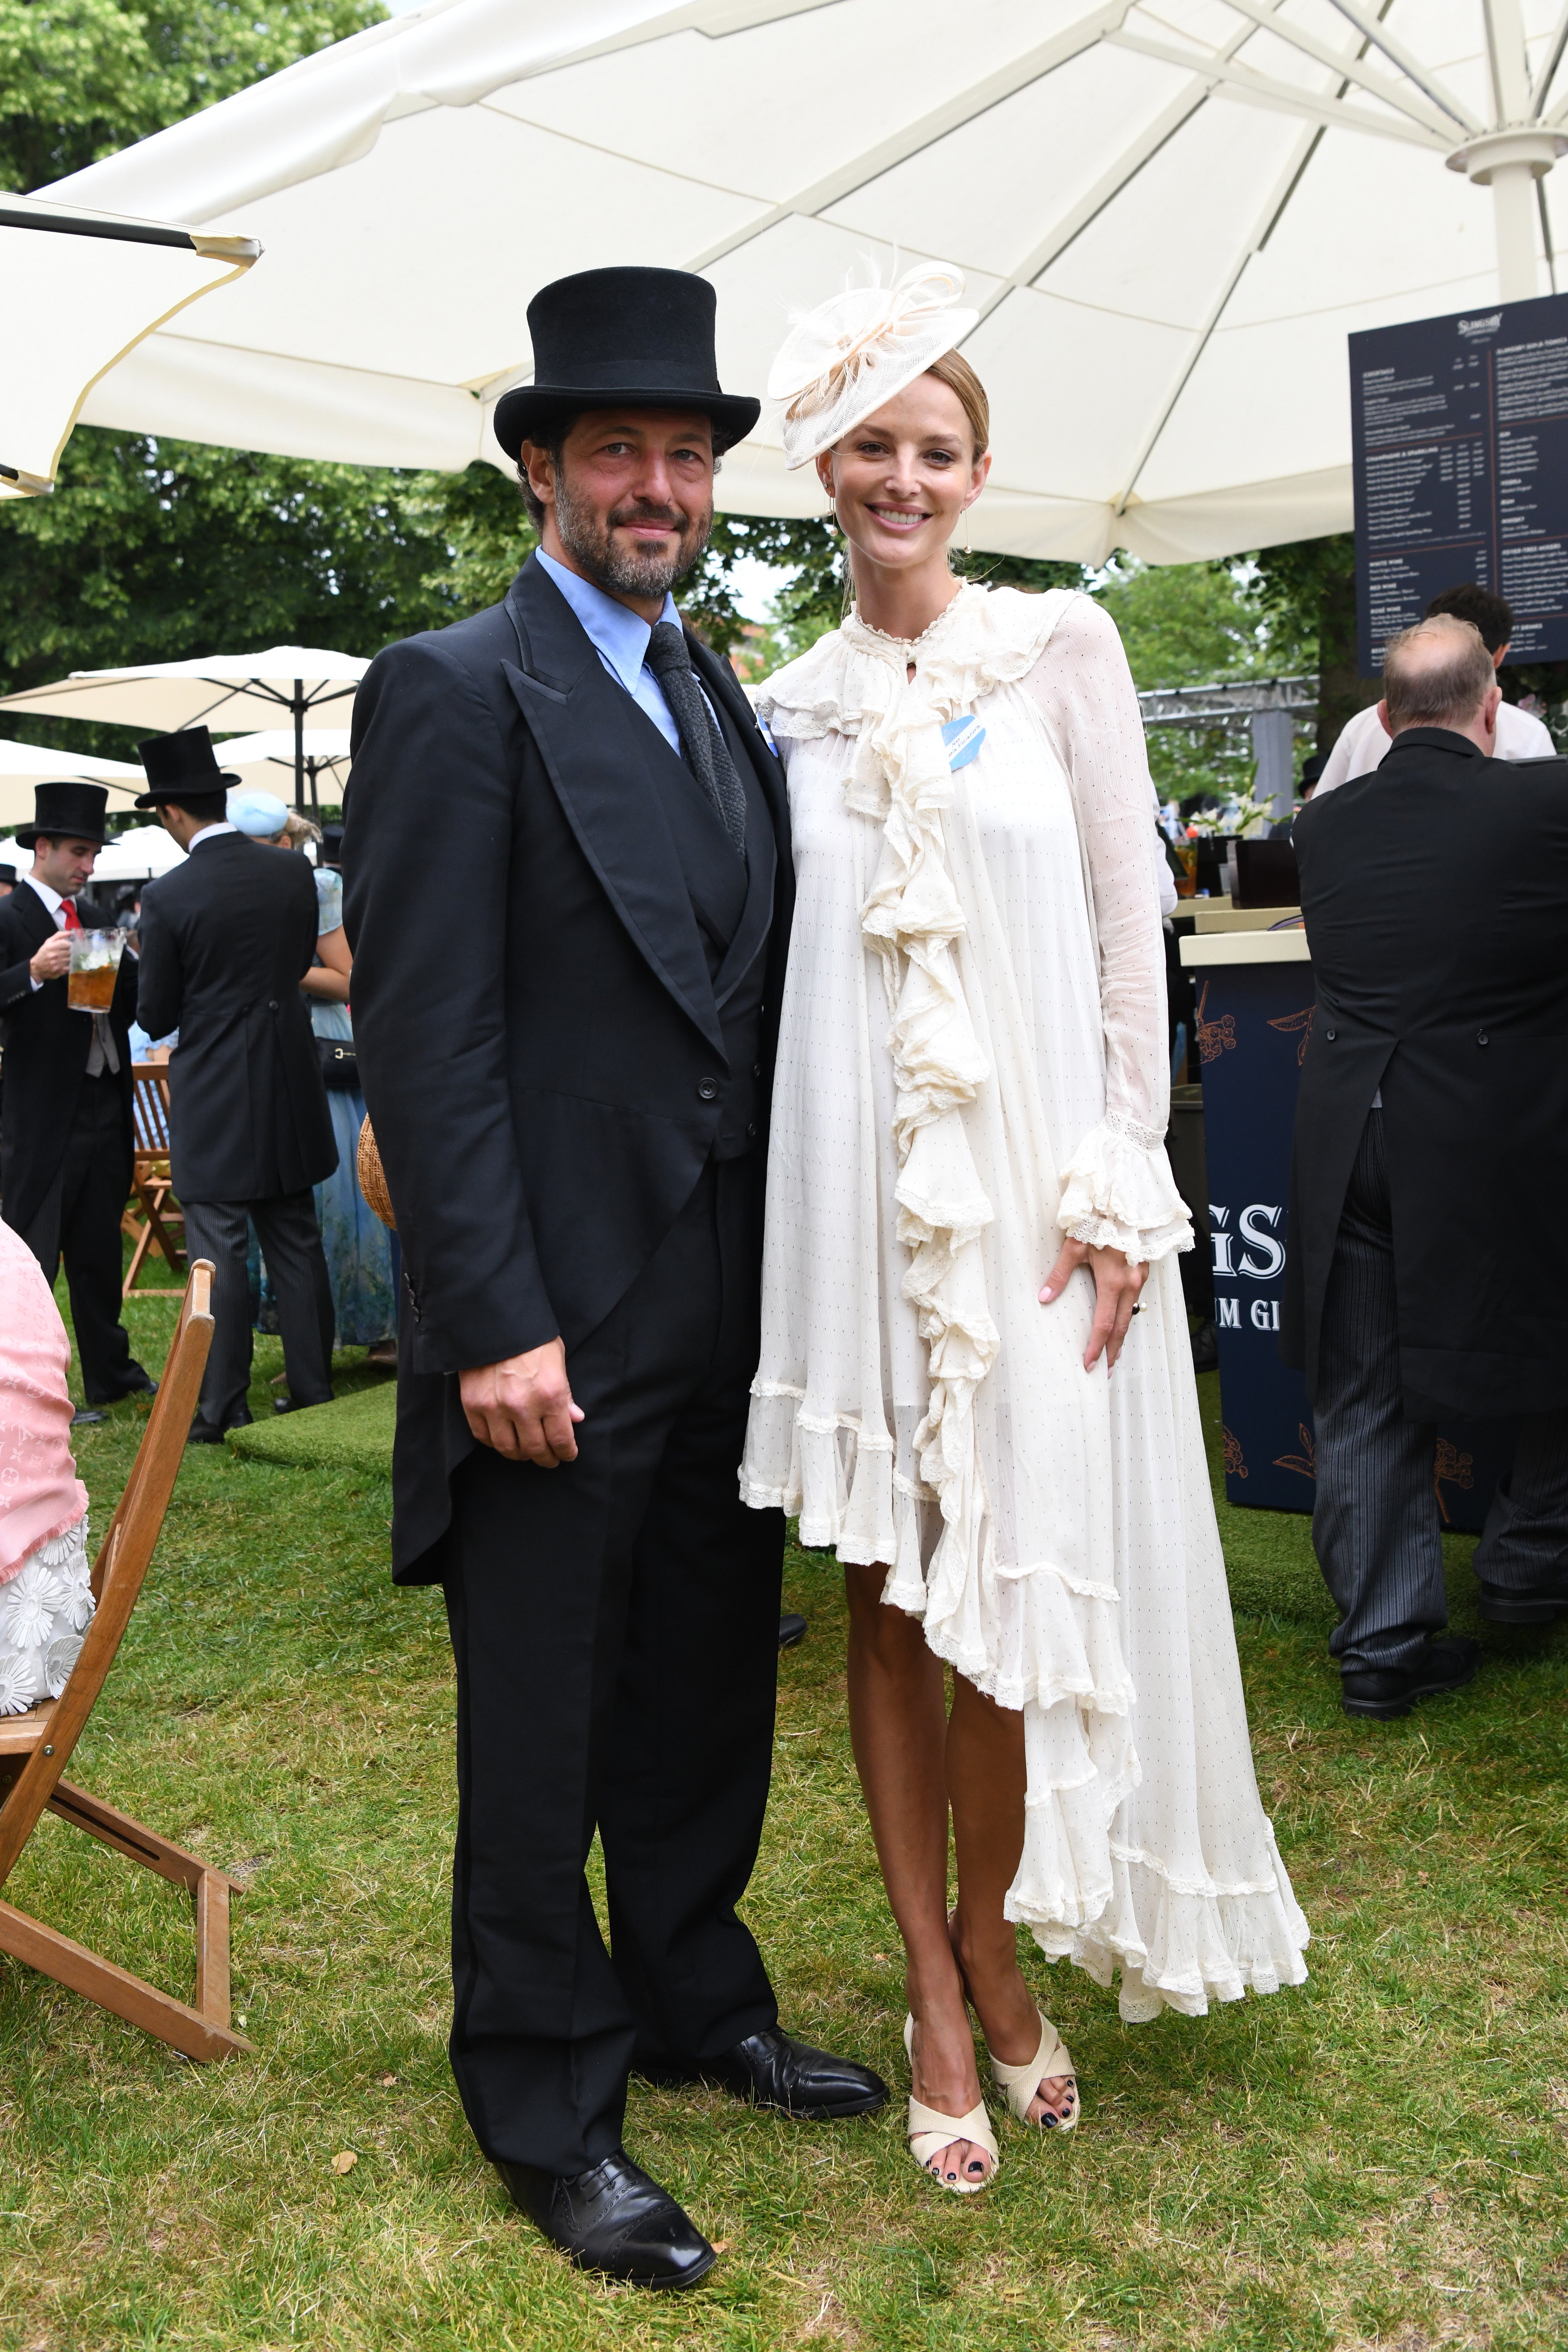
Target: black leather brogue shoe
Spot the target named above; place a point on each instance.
(1543, 1606)
(613, 2219)
(1389, 1691)
(771, 2070)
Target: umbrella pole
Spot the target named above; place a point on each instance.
(312, 765)
(299, 745)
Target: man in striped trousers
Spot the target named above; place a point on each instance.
(1428, 1268)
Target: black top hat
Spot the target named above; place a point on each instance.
(1312, 767)
(633, 337)
(7, 873)
(179, 764)
(65, 812)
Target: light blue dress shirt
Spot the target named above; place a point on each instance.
(620, 638)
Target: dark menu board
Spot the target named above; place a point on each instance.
(1460, 436)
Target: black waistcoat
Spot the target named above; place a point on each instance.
(732, 900)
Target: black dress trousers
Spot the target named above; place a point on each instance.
(79, 1219)
(614, 1623)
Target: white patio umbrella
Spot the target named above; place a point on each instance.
(139, 853)
(1170, 212)
(221, 690)
(262, 759)
(23, 765)
(81, 290)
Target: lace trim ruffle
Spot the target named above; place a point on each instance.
(45, 1609)
(985, 638)
(1118, 1192)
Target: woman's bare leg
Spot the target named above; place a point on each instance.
(985, 1788)
(897, 1727)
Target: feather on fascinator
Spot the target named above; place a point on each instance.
(840, 361)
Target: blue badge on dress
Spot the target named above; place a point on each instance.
(963, 738)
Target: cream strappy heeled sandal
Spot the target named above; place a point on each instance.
(1019, 2085)
(929, 2132)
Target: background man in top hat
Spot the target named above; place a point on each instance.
(66, 1140)
(572, 1128)
(225, 940)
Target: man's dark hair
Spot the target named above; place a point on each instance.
(548, 432)
(208, 808)
(1492, 615)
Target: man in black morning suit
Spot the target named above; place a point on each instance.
(566, 1032)
(66, 1141)
(1427, 1277)
(226, 941)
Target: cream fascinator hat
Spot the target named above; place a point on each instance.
(841, 361)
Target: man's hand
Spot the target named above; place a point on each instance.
(53, 960)
(523, 1408)
(1116, 1289)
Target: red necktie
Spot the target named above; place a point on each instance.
(68, 908)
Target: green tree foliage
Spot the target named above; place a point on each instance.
(80, 79)
(157, 550)
(1308, 587)
(1200, 625)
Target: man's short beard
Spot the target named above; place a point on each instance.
(624, 570)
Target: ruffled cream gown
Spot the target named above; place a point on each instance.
(972, 1061)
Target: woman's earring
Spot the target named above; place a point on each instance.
(967, 530)
(831, 518)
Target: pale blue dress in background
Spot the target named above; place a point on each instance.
(358, 1246)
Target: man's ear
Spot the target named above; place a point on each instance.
(1382, 716)
(543, 478)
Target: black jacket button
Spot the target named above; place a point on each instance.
(272, 1004)
(1330, 1035)
(752, 1132)
(756, 1069)
(1480, 1036)
(707, 1089)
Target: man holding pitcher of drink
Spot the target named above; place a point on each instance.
(67, 997)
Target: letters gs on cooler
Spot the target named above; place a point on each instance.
(1252, 1250)
(1459, 439)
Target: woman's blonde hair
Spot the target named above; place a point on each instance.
(955, 371)
(297, 829)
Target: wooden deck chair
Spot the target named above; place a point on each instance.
(35, 1748)
(152, 1189)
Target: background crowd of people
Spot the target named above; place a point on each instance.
(234, 975)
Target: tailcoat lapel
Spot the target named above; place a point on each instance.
(724, 688)
(29, 911)
(589, 737)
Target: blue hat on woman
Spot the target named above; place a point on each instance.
(261, 815)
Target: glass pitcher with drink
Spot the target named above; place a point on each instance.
(94, 969)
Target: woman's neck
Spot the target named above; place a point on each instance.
(902, 604)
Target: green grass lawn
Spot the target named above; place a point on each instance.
(1375, 2159)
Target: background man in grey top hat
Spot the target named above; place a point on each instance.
(65, 1126)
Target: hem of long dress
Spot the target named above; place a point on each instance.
(1176, 1945)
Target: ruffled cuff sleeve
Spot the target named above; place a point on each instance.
(1118, 1192)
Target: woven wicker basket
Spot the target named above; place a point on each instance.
(373, 1177)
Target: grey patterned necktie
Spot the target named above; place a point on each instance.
(707, 753)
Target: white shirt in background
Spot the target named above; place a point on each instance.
(1363, 743)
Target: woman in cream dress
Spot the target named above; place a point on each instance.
(975, 1379)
